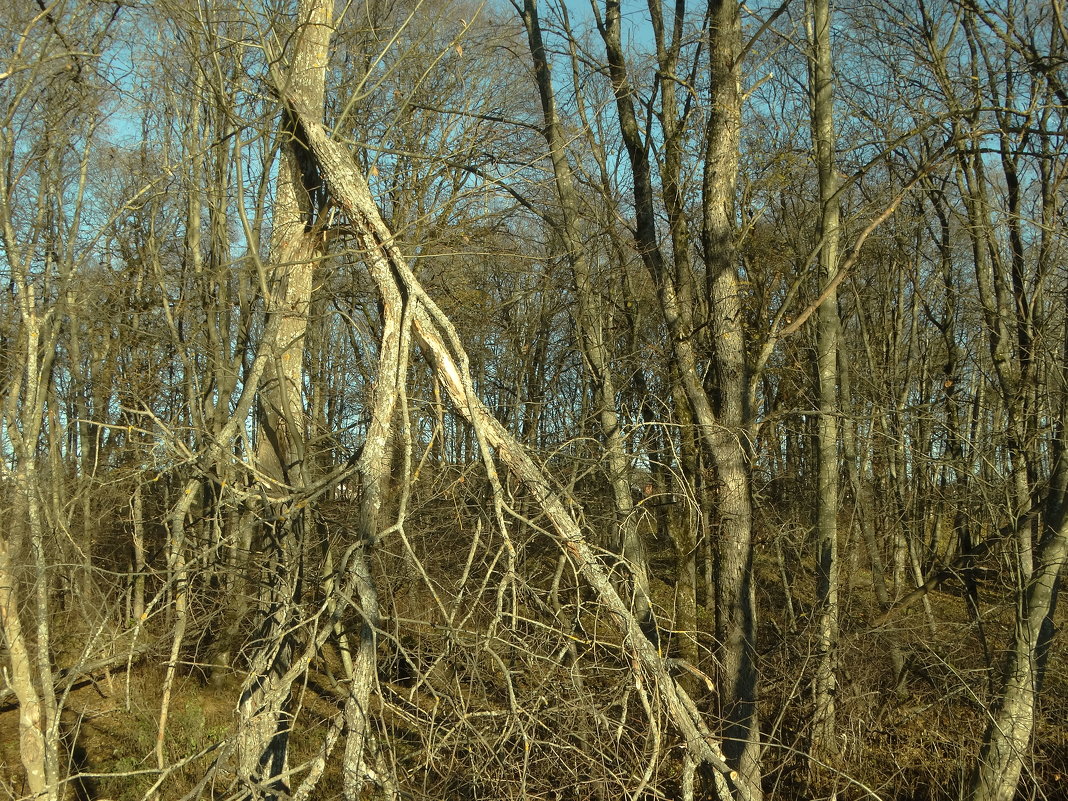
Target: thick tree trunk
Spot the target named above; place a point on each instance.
(720, 424)
(31, 717)
(24, 409)
(294, 250)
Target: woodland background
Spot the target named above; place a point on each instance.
(416, 399)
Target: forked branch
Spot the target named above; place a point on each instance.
(396, 283)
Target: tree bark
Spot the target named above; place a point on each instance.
(1008, 737)
(31, 718)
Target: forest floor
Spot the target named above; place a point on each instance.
(913, 737)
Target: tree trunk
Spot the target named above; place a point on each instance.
(736, 613)
(590, 319)
(31, 718)
(294, 250)
(821, 95)
(1008, 737)
(25, 408)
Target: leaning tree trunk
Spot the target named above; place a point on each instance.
(396, 283)
(1011, 285)
(1008, 736)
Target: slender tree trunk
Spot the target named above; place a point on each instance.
(736, 614)
(821, 93)
(137, 520)
(590, 319)
(360, 765)
(1008, 737)
(683, 522)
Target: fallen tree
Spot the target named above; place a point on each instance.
(397, 284)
